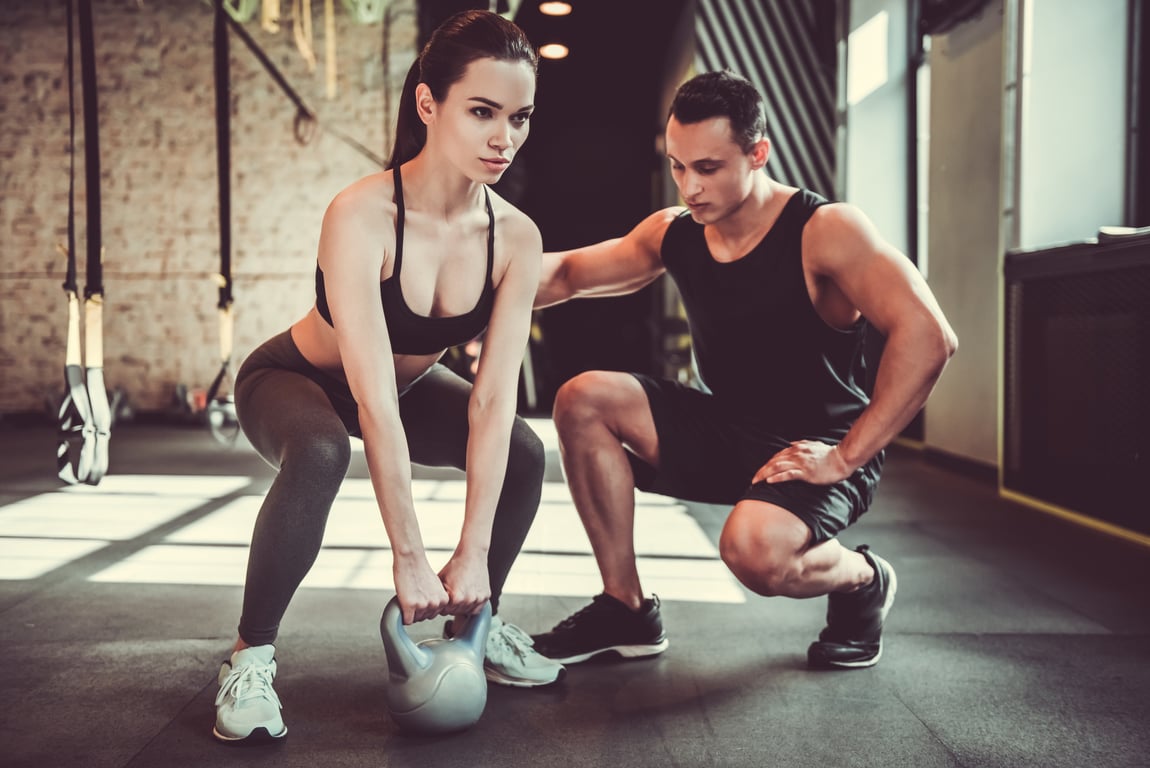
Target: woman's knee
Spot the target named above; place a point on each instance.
(526, 458)
(320, 454)
(518, 500)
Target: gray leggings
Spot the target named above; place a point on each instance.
(299, 420)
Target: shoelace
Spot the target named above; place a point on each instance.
(595, 606)
(511, 638)
(251, 681)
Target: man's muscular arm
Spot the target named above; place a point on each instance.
(840, 244)
(611, 268)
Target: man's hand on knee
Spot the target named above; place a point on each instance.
(808, 460)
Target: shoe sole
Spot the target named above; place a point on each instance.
(520, 682)
(860, 664)
(257, 735)
(625, 651)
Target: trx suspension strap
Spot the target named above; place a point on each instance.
(305, 119)
(85, 418)
(221, 410)
(301, 31)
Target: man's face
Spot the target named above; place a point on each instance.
(712, 172)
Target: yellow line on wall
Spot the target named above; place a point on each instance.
(1078, 518)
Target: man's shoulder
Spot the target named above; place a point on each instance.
(660, 220)
(832, 217)
(651, 231)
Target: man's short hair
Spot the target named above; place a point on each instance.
(723, 94)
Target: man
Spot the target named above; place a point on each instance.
(778, 286)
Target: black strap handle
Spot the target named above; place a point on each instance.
(94, 276)
(223, 150)
(70, 285)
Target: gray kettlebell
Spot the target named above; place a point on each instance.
(437, 685)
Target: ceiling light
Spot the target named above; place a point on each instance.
(555, 8)
(553, 51)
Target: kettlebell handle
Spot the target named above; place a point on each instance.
(474, 635)
(407, 658)
(403, 655)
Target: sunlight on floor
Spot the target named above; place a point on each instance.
(48, 531)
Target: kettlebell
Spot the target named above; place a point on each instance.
(437, 685)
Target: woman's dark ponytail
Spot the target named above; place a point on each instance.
(410, 132)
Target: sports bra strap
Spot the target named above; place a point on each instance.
(399, 227)
(398, 220)
(490, 234)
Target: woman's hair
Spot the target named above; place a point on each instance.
(723, 94)
(458, 41)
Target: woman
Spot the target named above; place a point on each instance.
(412, 260)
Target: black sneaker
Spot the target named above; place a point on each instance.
(853, 636)
(606, 625)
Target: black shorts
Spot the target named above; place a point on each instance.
(709, 456)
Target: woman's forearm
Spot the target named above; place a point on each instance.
(389, 465)
(487, 450)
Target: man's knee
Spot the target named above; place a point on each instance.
(581, 399)
(760, 553)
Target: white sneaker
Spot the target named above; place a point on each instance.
(247, 704)
(512, 660)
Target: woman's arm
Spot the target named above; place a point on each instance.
(491, 410)
(351, 257)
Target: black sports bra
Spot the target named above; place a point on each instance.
(413, 334)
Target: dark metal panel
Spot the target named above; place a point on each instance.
(774, 44)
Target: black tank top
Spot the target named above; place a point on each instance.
(761, 348)
(413, 334)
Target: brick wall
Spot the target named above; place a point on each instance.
(159, 187)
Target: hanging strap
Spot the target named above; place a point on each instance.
(77, 433)
(94, 274)
(85, 417)
(220, 408)
(330, 64)
(270, 16)
(301, 31)
(223, 153)
(305, 120)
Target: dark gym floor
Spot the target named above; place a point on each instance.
(1016, 640)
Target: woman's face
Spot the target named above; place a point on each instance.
(484, 118)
